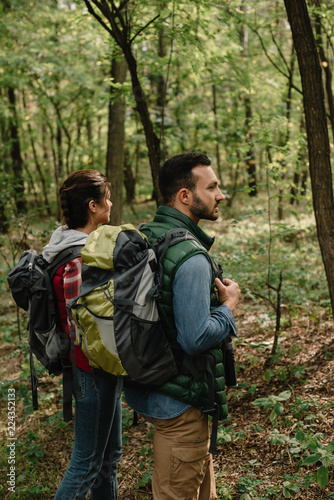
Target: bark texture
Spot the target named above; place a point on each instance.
(317, 133)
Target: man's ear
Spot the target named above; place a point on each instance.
(183, 196)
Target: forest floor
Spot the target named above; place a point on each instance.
(274, 449)
(247, 463)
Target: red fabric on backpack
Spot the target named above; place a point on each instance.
(81, 360)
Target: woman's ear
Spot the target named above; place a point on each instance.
(92, 206)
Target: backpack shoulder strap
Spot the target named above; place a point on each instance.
(217, 269)
(69, 370)
(171, 238)
(62, 258)
(167, 240)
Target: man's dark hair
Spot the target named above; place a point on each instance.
(176, 173)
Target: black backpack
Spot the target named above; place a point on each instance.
(116, 313)
(30, 283)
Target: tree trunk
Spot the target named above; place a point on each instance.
(60, 130)
(131, 169)
(55, 168)
(178, 111)
(129, 180)
(120, 29)
(115, 151)
(304, 182)
(294, 189)
(4, 138)
(44, 144)
(89, 130)
(17, 162)
(215, 115)
(4, 225)
(317, 133)
(60, 163)
(152, 140)
(285, 137)
(40, 173)
(250, 156)
(162, 88)
(37, 163)
(300, 174)
(325, 65)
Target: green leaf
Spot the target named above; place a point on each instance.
(260, 402)
(278, 408)
(283, 396)
(295, 451)
(272, 416)
(245, 496)
(330, 447)
(312, 459)
(289, 488)
(322, 476)
(315, 445)
(300, 436)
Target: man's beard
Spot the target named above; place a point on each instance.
(202, 211)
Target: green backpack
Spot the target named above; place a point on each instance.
(116, 313)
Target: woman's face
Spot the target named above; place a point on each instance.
(102, 213)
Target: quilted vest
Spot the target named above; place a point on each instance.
(184, 387)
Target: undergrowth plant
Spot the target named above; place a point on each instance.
(273, 403)
(254, 251)
(305, 447)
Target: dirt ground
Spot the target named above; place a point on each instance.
(307, 342)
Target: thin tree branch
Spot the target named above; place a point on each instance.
(144, 28)
(117, 12)
(267, 299)
(279, 50)
(328, 36)
(122, 5)
(271, 60)
(162, 131)
(97, 17)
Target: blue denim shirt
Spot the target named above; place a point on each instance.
(198, 329)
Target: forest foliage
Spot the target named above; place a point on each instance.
(217, 77)
(220, 77)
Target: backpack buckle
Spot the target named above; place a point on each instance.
(211, 411)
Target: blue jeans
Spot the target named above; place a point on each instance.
(97, 440)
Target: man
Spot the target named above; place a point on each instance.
(199, 319)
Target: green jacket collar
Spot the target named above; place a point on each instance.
(178, 219)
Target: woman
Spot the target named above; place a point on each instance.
(85, 203)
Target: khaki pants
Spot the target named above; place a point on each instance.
(183, 468)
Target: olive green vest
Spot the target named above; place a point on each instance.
(184, 387)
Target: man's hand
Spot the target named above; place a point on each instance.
(228, 293)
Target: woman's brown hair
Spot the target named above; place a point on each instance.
(75, 193)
